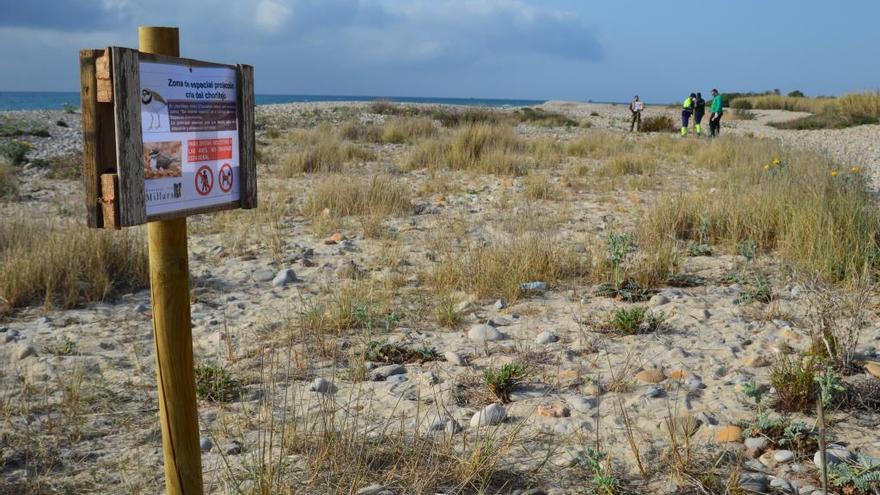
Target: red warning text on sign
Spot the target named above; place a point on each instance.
(205, 150)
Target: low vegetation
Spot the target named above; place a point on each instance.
(635, 320)
(8, 181)
(813, 216)
(500, 268)
(501, 381)
(66, 264)
(844, 111)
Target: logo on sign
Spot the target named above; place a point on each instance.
(225, 177)
(204, 180)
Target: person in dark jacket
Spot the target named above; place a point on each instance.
(699, 111)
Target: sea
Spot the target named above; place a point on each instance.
(21, 100)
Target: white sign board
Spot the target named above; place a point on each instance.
(189, 123)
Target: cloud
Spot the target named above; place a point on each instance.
(271, 15)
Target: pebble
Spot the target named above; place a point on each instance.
(490, 415)
(216, 337)
(658, 300)
(544, 338)
(25, 351)
(263, 275)
(580, 404)
(205, 444)
(383, 372)
(500, 304)
(447, 424)
(650, 376)
(554, 411)
(395, 379)
(141, 308)
(754, 482)
(322, 386)
(729, 433)
(534, 286)
(833, 454)
(782, 456)
(654, 391)
(706, 419)
(371, 490)
(454, 359)
(781, 484)
(484, 333)
(757, 443)
(873, 368)
(10, 336)
(694, 384)
(284, 277)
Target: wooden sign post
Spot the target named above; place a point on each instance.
(165, 138)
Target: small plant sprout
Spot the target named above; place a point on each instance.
(503, 380)
(619, 247)
(596, 465)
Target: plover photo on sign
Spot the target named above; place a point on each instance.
(158, 161)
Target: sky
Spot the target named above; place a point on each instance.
(523, 49)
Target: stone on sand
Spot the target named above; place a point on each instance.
(484, 333)
(490, 415)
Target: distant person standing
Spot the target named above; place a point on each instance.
(699, 111)
(717, 110)
(635, 107)
(687, 109)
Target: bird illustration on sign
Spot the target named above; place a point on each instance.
(155, 106)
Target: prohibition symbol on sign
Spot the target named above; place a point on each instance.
(225, 177)
(204, 180)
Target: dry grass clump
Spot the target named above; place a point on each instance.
(658, 123)
(541, 117)
(344, 195)
(500, 268)
(406, 130)
(66, 264)
(341, 453)
(539, 186)
(779, 102)
(484, 148)
(599, 144)
(845, 111)
(8, 183)
(354, 130)
(820, 219)
(324, 153)
(628, 164)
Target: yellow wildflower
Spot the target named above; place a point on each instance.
(855, 170)
(767, 167)
(834, 173)
(776, 161)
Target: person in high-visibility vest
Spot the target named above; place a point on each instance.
(717, 110)
(699, 111)
(687, 109)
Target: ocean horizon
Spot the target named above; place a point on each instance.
(47, 100)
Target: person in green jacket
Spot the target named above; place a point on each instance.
(717, 110)
(687, 109)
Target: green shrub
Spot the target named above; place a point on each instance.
(794, 379)
(15, 151)
(658, 123)
(503, 380)
(637, 320)
(215, 384)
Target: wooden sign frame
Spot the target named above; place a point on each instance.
(113, 147)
